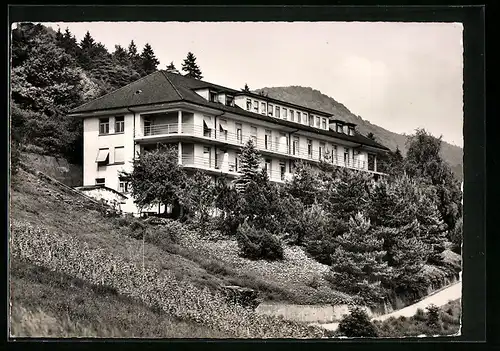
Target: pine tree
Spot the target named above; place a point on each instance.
(135, 58)
(347, 194)
(171, 66)
(70, 45)
(191, 67)
(250, 163)
(304, 185)
(86, 57)
(59, 36)
(120, 55)
(149, 62)
(357, 264)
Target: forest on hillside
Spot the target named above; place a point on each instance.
(51, 73)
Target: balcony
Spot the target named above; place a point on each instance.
(266, 146)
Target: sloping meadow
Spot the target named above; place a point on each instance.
(154, 287)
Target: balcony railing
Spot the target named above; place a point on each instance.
(271, 144)
(207, 163)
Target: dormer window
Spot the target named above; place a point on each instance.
(263, 108)
(346, 130)
(256, 106)
(340, 128)
(351, 131)
(323, 125)
(270, 110)
(213, 96)
(229, 100)
(249, 104)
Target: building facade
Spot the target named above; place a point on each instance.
(209, 124)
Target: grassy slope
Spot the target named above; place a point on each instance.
(51, 304)
(316, 100)
(39, 203)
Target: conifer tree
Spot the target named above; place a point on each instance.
(86, 51)
(135, 58)
(246, 88)
(191, 67)
(120, 55)
(357, 264)
(171, 66)
(149, 62)
(69, 44)
(250, 163)
(304, 185)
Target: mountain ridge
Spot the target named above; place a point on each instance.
(315, 99)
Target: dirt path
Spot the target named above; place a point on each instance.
(439, 298)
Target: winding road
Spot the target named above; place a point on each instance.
(439, 298)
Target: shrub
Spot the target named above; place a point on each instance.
(433, 317)
(258, 244)
(357, 324)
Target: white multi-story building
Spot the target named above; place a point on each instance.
(209, 124)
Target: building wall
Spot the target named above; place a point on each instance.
(93, 142)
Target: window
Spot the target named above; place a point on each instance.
(292, 118)
(223, 129)
(285, 111)
(103, 125)
(263, 108)
(318, 121)
(311, 120)
(267, 139)
(239, 135)
(229, 100)
(309, 148)
(237, 162)
(256, 106)
(282, 170)
(295, 146)
(346, 156)
(207, 157)
(351, 131)
(371, 162)
(253, 135)
(268, 167)
(207, 123)
(213, 96)
(100, 181)
(119, 124)
(340, 129)
(249, 104)
(324, 123)
(270, 110)
(334, 154)
(298, 116)
(346, 131)
(123, 185)
(119, 154)
(277, 112)
(102, 157)
(321, 150)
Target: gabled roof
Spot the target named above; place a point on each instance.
(165, 87)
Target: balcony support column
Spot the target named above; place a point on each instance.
(179, 150)
(179, 122)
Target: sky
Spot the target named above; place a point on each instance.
(400, 76)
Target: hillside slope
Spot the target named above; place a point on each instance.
(315, 99)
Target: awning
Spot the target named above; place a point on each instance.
(207, 121)
(102, 155)
(223, 126)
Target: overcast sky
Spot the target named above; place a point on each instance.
(400, 76)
